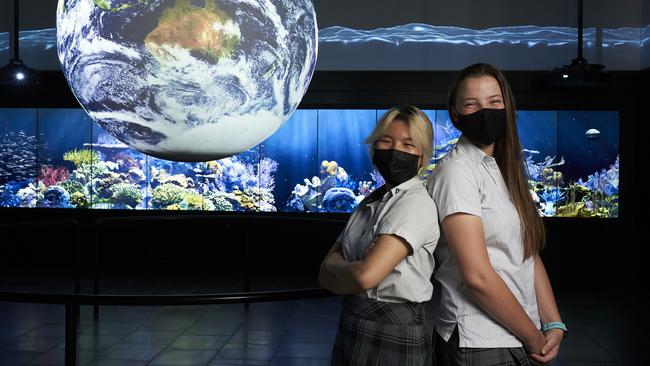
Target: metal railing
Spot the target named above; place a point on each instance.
(72, 302)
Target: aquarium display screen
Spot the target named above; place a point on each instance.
(316, 162)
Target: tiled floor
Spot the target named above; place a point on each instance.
(605, 328)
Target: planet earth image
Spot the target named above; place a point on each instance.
(188, 80)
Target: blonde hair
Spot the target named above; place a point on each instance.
(420, 128)
(507, 153)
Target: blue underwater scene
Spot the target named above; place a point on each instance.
(316, 162)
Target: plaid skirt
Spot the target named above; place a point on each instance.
(374, 333)
(450, 354)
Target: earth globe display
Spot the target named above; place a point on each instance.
(188, 80)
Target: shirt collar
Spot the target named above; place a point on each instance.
(471, 150)
(375, 195)
(379, 193)
(406, 185)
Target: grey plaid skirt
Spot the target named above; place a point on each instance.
(374, 333)
(450, 354)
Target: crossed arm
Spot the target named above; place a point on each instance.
(350, 277)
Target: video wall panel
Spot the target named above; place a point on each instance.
(316, 162)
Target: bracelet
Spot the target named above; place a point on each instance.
(555, 325)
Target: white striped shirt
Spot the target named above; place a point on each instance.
(407, 211)
(469, 181)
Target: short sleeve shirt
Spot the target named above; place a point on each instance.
(469, 181)
(406, 211)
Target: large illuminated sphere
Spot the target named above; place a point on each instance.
(188, 80)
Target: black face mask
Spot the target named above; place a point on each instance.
(395, 166)
(484, 126)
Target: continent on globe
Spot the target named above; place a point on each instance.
(208, 31)
(108, 5)
(188, 80)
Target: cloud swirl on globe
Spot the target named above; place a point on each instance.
(188, 80)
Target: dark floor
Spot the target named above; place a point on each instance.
(605, 328)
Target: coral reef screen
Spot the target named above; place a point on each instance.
(316, 162)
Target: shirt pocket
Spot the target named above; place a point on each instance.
(365, 240)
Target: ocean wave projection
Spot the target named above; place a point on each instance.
(530, 35)
(44, 40)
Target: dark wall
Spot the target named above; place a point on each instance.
(639, 249)
(214, 244)
(34, 14)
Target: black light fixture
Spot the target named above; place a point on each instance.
(580, 73)
(16, 72)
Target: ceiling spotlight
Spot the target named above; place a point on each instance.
(16, 72)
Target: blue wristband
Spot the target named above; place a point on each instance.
(555, 325)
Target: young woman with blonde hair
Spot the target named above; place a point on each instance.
(383, 260)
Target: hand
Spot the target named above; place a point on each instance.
(551, 347)
(333, 259)
(535, 346)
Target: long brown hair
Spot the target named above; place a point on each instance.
(507, 153)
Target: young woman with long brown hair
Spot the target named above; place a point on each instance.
(496, 302)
